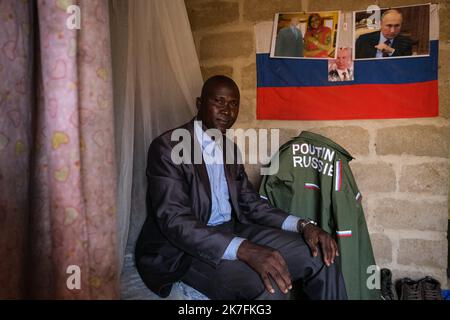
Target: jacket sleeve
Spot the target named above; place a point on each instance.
(253, 206)
(403, 47)
(352, 234)
(171, 204)
(359, 48)
(280, 44)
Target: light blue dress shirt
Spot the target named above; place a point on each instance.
(383, 40)
(221, 206)
(295, 31)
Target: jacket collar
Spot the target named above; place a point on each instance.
(200, 167)
(314, 137)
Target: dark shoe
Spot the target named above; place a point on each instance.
(431, 288)
(408, 289)
(387, 288)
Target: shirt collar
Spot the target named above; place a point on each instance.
(383, 39)
(203, 138)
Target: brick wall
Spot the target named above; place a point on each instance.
(401, 165)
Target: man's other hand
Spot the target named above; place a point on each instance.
(384, 48)
(313, 236)
(268, 262)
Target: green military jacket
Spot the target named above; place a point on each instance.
(315, 181)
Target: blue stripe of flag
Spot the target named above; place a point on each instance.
(311, 72)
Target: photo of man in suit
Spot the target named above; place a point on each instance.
(387, 42)
(341, 69)
(208, 227)
(289, 42)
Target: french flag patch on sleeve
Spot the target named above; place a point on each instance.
(344, 233)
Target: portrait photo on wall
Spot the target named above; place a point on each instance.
(305, 35)
(341, 68)
(396, 32)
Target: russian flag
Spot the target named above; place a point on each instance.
(344, 234)
(312, 186)
(298, 89)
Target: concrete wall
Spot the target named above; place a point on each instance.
(401, 166)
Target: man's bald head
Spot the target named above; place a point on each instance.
(392, 12)
(214, 82)
(294, 21)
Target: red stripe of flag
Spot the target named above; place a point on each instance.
(363, 101)
(344, 235)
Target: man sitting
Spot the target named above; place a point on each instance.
(208, 227)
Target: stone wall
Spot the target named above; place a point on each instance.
(401, 165)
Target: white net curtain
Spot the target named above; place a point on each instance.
(156, 80)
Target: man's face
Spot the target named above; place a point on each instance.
(219, 107)
(391, 25)
(342, 59)
(294, 22)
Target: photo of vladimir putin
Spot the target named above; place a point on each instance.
(341, 68)
(387, 42)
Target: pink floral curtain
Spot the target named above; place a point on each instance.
(57, 170)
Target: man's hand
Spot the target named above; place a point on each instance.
(313, 236)
(269, 263)
(384, 48)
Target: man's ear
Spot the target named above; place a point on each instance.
(198, 102)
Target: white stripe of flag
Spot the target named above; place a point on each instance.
(344, 233)
(311, 186)
(337, 186)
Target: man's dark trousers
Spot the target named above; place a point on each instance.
(235, 280)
